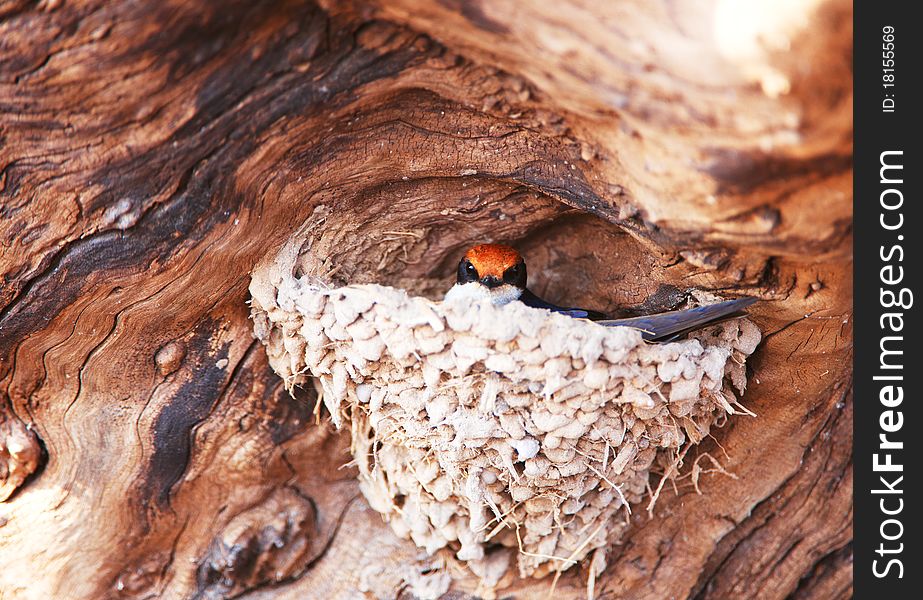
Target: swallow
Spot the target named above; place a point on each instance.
(498, 272)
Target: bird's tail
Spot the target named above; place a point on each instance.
(664, 327)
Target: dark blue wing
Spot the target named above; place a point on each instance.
(666, 326)
(530, 299)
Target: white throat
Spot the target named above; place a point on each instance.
(503, 294)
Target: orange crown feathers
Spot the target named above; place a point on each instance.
(492, 259)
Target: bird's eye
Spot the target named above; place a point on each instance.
(515, 274)
(467, 272)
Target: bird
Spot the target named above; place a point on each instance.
(497, 272)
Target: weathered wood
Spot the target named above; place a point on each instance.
(152, 153)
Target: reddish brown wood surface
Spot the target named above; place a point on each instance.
(151, 153)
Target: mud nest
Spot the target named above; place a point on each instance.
(484, 428)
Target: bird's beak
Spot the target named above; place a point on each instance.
(491, 282)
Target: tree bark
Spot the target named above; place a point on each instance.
(151, 153)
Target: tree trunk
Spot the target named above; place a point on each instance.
(152, 153)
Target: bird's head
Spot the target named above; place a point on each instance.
(498, 268)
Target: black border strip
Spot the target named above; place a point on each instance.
(887, 271)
